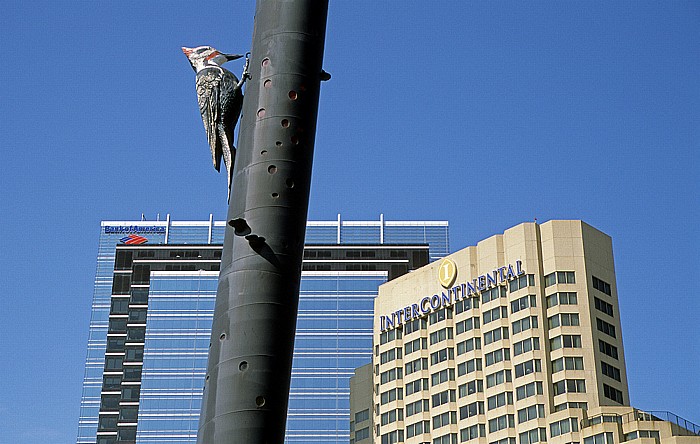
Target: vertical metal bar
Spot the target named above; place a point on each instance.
(247, 384)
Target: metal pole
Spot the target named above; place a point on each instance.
(247, 383)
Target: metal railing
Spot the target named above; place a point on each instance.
(679, 426)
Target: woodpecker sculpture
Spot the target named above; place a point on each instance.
(220, 101)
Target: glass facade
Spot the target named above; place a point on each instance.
(334, 328)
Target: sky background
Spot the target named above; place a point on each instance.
(485, 114)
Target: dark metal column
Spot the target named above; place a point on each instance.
(247, 383)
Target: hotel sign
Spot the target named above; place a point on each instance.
(447, 276)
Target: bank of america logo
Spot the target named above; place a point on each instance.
(133, 239)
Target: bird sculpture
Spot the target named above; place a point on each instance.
(220, 101)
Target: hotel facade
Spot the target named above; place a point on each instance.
(516, 340)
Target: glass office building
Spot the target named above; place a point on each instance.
(152, 309)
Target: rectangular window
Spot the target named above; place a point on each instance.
(610, 371)
(390, 375)
(442, 376)
(495, 313)
(533, 436)
(440, 315)
(613, 393)
(521, 282)
(501, 422)
(522, 303)
(416, 407)
(563, 298)
(498, 378)
(499, 400)
(527, 390)
(527, 367)
(442, 355)
(524, 324)
(564, 426)
(361, 416)
(473, 409)
(526, 345)
(466, 304)
(607, 349)
(440, 335)
(414, 325)
(566, 341)
(495, 335)
(414, 366)
(603, 306)
(469, 433)
(466, 325)
(388, 355)
(471, 387)
(530, 413)
(443, 397)
(444, 419)
(566, 277)
(391, 395)
(569, 386)
(502, 354)
(569, 362)
(606, 328)
(468, 345)
(601, 285)
(119, 306)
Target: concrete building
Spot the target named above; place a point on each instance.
(516, 340)
(152, 310)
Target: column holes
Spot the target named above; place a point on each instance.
(267, 83)
(290, 183)
(265, 62)
(285, 123)
(293, 95)
(272, 169)
(261, 112)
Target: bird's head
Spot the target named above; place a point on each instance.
(205, 56)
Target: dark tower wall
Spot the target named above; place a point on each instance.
(247, 386)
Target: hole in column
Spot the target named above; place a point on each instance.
(243, 366)
(285, 123)
(278, 143)
(260, 401)
(267, 83)
(261, 112)
(222, 337)
(265, 62)
(272, 169)
(275, 195)
(295, 140)
(293, 95)
(263, 152)
(290, 183)
(207, 378)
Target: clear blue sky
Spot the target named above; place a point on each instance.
(486, 114)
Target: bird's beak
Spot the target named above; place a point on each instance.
(230, 57)
(187, 50)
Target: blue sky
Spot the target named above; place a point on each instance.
(486, 114)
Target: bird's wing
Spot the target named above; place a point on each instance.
(208, 93)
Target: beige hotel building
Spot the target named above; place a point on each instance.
(516, 340)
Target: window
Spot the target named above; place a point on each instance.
(130, 393)
(110, 382)
(444, 419)
(139, 296)
(564, 426)
(468, 345)
(388, 336)
(440, 315)
(414, 325)
(113, 362)
(607, 349)
(606, 328)
(390, 375)
(466, 304)
(414, 366)
(469, 366)
(524, 324)
(440, 335)
(521, 282)
(473, 409)
(392, 416)
(566, 277)
(117, 325)
(567, 341)
(530, 413)
(565, 319)
(361, 416)
(522, 303)
(134, 355)
(445, 375)
(563, 298)
(107, 422)
(534, 435)
(527, 367)
(416, 407)
(466, 325)
(569, 386)
(391, 395)
(610, 371)
(601, 285)
(502, 422)
(415, 345)
(499, 400)
(550, 279)
(417, 429)
(115, 343)
(612, 393)
(600, 438)
(526, 345)
(603, 306)
(471, 387)
(392, 437)
(502, 354)
(527, 390)
(121, 283)
(362, 434)
(493, 294)
(472, 432)
(494, 314)
(498, 378)
(136, 334)
(495, 335)
(442, 355)
(443, 397)
(119, 306)
(109, 402)
(390, 355)
(416, 386)
(568, 362)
